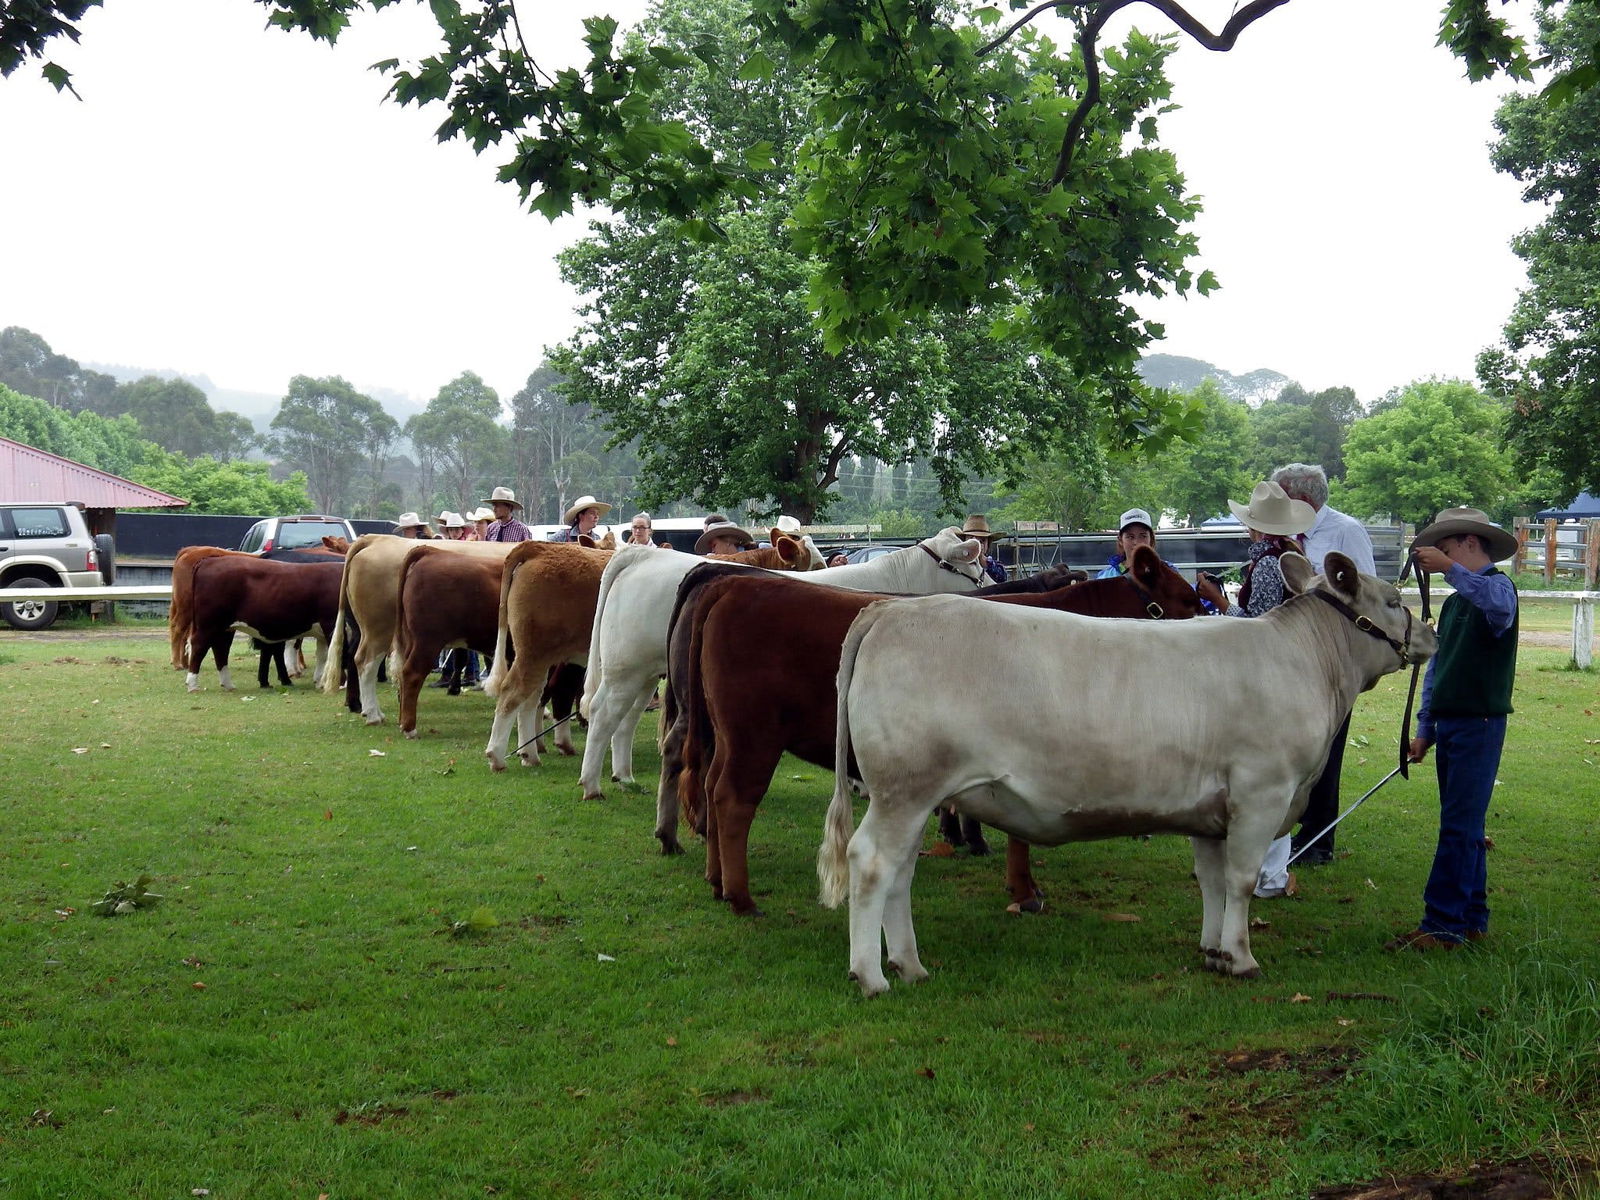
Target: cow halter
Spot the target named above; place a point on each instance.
(976, 578)
(1151, 605)
(1403, 649)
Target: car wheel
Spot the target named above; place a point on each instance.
(30, 614)
(106, 551)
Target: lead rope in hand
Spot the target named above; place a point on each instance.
(1416, 667)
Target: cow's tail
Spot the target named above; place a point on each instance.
(503, 648)
(620, 561)
(332, 679)
(833, 868)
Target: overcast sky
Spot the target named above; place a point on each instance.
(237, 202)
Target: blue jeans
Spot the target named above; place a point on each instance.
(1467, 750)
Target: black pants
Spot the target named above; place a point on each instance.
(1322, 806)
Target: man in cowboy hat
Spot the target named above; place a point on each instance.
(977, 526)
(580, 518)
(1465, 700)
(1332, 530)
(724, 538)
(505, 527)
(410, 525)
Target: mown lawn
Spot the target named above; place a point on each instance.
(296, 1017)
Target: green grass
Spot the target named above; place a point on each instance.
(345, 1041)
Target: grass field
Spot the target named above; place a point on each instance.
(309, 1012)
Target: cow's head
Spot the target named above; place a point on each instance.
(790, 550)
(1372, 607)
(1171, 594)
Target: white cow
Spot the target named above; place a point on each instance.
(628, 648)
(1211, 728)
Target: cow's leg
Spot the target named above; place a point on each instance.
(1209, 873)
(1245, 847)
(195, 651)
(622, 738)
(900, 939)
(614, 715)
(413, 674)
(878, 853)
(949, 824)
(529, 720)
(734, 787)
(220, 652)
(1025, 893)
(972, 834)
(669, 789)
(510, 698)
(367, 673)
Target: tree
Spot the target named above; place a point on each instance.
(548, 432)
(1438, 446)
(460, 438)
(222, 487)
(172, 413)
(322, 428)
(107, 444)
(1549, 364)
(1300, 426)
(1198, 477)
(29, 365)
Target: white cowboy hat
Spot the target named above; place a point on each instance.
(1453, 522)
(723, 529)
(407, 520)
(452, 520)
(1271, 511)
(788, 525)
(503, 495)
(481, 514)
(581, 503)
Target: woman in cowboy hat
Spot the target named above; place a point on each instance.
(410, 525)
(1277, 527)
(581, 517)
(1465, 701)
(977, 526)
(724, 537)
(505, 527)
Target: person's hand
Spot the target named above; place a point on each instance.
(838, 560)
(1206, 585)
(1418, 749)
(1432, 559)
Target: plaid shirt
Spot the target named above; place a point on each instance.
(509, 530)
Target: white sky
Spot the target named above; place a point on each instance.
(236, 202)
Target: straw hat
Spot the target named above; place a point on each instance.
(408, 520)
(1271, 511)
(503, 495)
(723, 529)
(977, 526)
(581, 503)
(1453, 522)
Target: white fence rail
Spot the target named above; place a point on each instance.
(1582, 618)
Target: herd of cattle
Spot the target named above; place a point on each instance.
(1035, 712)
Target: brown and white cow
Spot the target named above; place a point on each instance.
(739, 698)
(1214, 728)
(628, 646)
(546, 608)
(369, 603)
(271, 601)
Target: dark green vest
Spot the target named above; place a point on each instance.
(1473, 670)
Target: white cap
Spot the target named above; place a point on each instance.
(1136, 516)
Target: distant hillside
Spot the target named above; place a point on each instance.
(259, 407)
(1181, 374)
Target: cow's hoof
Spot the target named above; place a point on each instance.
(1034, 904)
(227, 687)
(496, 764)
(411, 734)
(670, 845)
(528, 760)
(977, 849)
(870, 987)
(1251, 973)
(372, 718)
(909, 974)
(751, 911)
(588, 795)
(566, 750)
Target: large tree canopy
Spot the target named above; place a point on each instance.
(1550, 364)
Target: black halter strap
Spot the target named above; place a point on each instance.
(974, 579)
(1151, 604)
(1403, 649)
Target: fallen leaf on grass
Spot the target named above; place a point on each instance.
(925, 1072)
(604, 958)
(198, 986)
(376, 754)
(1258, 923)
(672, 1041)
(941, 850)
(1299, 998)
(80, 749)
(1343, 1021)
(1123, 917)
(105, 745)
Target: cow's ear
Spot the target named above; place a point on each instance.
(1297, 572)
(1341, 574)
(586, 541)
(788, 549)
(774, 534)
(1145, 566)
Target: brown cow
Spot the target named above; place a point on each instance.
(180, 610)
(742, 710)
(445, 600)
(369, 602)
(272, 601)
(546, 611)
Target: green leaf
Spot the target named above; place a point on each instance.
(757, 66)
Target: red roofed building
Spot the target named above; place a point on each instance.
(30, 474)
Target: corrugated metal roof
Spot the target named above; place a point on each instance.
(30, 474)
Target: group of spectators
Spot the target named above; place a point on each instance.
(1466, 695)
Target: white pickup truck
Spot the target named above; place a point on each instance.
(45, 544)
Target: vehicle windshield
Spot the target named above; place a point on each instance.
(296, 535)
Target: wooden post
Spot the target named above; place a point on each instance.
(1549, 552)
(1591, 552)
(1583, 633)
(1519, 560)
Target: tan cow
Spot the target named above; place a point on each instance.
(369, 603)
(547, 599)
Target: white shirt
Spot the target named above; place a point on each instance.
(1334, 530)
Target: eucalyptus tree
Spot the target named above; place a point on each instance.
(321, 427)
(461, 440)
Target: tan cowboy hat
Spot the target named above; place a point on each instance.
(503, 495)
(1453, 522)
(481, 514)
(407, 520)
(977, 526)
(1271, 511)
(581, 503)
(723, 529)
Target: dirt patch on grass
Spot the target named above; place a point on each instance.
(1533, 1179)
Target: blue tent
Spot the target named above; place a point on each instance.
(1584, 506)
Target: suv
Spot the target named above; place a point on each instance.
(294, 533)
(49, 545)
